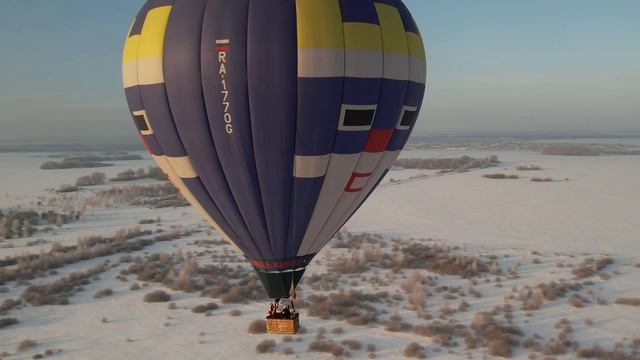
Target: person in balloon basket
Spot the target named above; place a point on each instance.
(281, 310)
(273, 309)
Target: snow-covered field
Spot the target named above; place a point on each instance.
(534, 232)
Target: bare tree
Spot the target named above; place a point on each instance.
(16, 228)
(59, 221)
(3, 229)
(27, 228)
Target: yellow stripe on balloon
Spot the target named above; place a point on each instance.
(153, 30)
(151, 47)
(130, 61)
(319, 24)
(131, 47)
(362, 36)
(416, 47)
(394, 37)
(165, 164)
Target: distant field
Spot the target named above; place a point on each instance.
(443, 265)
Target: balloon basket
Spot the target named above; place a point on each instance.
(283, 326)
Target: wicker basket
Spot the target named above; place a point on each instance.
(283, 326)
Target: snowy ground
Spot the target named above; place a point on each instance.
(541, 230)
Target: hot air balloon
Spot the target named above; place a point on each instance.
(275, 119)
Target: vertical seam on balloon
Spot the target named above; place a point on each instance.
(255, 168)
(344, 75)
(317, 198)
(213, 142)
(168, 104)
(292, 193)
(198, 178)
(377, 181)
(314, 243)
(206, 124)
(186, 187)
(419, 105)
(204, 109)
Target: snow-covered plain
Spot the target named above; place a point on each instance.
(591, 209)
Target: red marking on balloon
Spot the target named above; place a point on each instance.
(378, 140)
(146, 145)
(354, 176)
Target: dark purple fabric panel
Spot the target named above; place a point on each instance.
(358, 11)
(413, 98)
(350, 142)
(184, 90)
(392, 97)
(388, 2)
(224, 81)
(272, 45)
(407, 19)
(319, 105)
(198, 190)
(404, 140)
(361, 91)
(133, 98)
(304, 195)
(152, 145)
(154, 98)
(415, 93)
(136, 29)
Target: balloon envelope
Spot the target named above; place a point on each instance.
(275, 119)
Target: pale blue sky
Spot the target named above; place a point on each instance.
(495, 67)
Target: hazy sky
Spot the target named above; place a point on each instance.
(495, 67)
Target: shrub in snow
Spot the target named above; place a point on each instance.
(414, 350)
(486, 327)
(327, 346)
(201, 309)
(134, 286)
(442, 333)
(569, 150)
(103, 293)
(555, 347)
(461, 163)
(67, 188)
(591, 266)
(499, 176)
(528, 168)
(578, 301)
(97, 178)
(9, 304)
(539, 179)
(352, 344)
(354, 307)
(4, 322)
(628, 301)
(395, 324)
(257, 327)
(157, 296)
(265, 346)
(26, 345)
(500, 348)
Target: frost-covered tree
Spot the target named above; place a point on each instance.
(59, 221)
(417, 297)
(27, 228)
(3, 229)
(16, 229)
